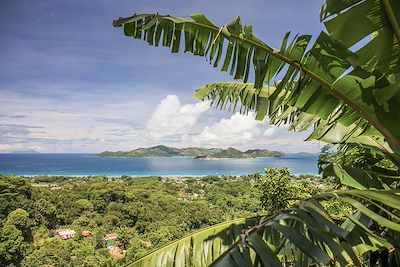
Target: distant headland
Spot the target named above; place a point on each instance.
(195, 152)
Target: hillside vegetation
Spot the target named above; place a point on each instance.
(195, 152)
(144, 213)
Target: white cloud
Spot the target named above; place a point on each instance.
(69, 125)
(270, 131)
(235, 131)
(172, 118)
(244, 132)
(31, 122)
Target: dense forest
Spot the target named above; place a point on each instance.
(117, 220)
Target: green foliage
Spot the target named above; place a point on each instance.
(15, 192)
(355, 156)
(196, 152)
(128, 236)
(87, 221)
(281, 190)
(110, 222)
(84, 205)
(52, 253)
(359, 167)
(66, 253)
(20, 219)
(146, 213)
(45, 213)
(98, 240)
(12, 245)
(277, 189)
(197, 249)
(312, 91)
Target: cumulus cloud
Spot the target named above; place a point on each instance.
(270, 131)
(72, 127)
(172, 118)
(235, 131)
(244, 132)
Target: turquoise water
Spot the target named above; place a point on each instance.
(89, 164)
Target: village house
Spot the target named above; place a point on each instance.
(111, 236)
(65, 234)
(111, 246)
(86, 233)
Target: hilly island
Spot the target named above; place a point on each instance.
(195, 152)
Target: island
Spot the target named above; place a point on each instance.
(195, 152)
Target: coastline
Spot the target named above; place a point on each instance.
(86, 165)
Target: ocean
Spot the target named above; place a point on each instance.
(90, 165)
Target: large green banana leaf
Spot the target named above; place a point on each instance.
(307, 235)
(350, 22)
(200, 248)
(299, 236)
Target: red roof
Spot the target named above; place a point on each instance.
(86, 233)
(57, 231)
(111, 236)
(65, 233)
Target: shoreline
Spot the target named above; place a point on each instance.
(85, 165)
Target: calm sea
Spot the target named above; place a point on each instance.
(89, 164)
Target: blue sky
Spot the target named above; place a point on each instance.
(70, 82)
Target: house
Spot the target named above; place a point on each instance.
(145, 244)
(110, 246)
(65, 234)
(86, 233)
(115, 251)
(111, 236)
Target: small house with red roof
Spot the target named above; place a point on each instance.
(65, 234)
(111, 236)
(86, 233)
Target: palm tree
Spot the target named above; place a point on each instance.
(349, 97)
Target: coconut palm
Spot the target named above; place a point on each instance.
(348, 96)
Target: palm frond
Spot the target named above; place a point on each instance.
(307, 235)
(340, 125)
(302, 235)
(200, 248)
(378, 21)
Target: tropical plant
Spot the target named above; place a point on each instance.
(348, 95)
(277, 189)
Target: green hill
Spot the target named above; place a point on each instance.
(259, 153)
(195, 152)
